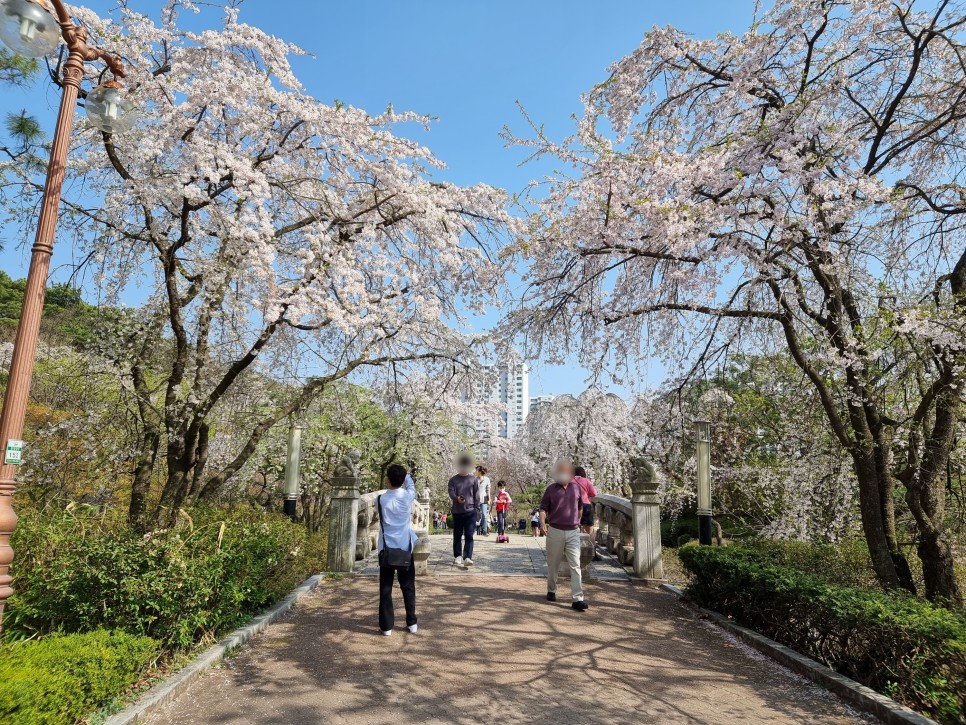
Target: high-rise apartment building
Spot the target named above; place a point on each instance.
(507, 390)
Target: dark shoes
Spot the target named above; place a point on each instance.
(580, 606)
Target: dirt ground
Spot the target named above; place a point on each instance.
(492, 650)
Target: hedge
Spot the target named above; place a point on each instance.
(61, 679)
(904, 647)
(847, 563)
(75, 573)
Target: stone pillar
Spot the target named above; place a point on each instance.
(367, 529)
(625, 549)
(600, 533)
(423, 548)
(648, 563)
(613, 531)
(344, 514)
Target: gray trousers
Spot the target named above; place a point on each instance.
(559, 544)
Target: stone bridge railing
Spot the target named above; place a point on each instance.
(630, 529)
(354, 525)
(367, 531)
(614, 517)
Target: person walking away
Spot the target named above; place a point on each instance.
(502, 502)
(588, 491)
(464, 492)
(535, 522)
(560, 511)
(396, 536)
(481, 472)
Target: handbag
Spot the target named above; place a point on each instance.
(390, 555)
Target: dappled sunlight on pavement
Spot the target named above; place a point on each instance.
(492, 649)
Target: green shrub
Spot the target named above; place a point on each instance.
(75, 573)
(847, 563)
(905, 647)
(61, 679)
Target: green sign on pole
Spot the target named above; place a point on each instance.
(14, 453)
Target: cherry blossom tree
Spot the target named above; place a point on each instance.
(509, 459)
(595, 430)
(269, 234)
(776, 469)
(797, 187)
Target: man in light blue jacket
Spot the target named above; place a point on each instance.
(396, 531)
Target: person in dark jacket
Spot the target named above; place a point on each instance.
(464, 492)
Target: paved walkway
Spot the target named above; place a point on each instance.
(493, 650)
(522, 556)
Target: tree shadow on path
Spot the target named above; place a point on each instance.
(494, 650)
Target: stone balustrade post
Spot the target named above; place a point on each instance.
(648, 562)
(613, 531)
(600, 513)
(367, 529)
(423, 547)
(343, 514)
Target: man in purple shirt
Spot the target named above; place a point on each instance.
(561, 509)
(464, 492)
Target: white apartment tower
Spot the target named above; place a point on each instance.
(508, 389)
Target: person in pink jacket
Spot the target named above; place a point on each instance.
(587, 492)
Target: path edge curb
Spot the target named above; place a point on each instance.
(858, 695)
(167, 690)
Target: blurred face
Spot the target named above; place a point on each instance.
(563, 472)
(464, 466)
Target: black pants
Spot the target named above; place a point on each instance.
(464, 526)
(407, 582)
(501, 522)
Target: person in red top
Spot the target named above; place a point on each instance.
(587, 492)
(503, 502)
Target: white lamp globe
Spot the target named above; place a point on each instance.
(27, 28)
(109, 109)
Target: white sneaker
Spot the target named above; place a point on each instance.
(413, 628)
(458, 561)
(386, 632)
(467, 562)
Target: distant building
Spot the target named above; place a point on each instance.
(539, 401)
(507, 389)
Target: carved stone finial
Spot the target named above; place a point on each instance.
(644, 476)
(349, 465)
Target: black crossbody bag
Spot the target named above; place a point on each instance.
(390, 555)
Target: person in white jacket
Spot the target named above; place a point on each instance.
(396, 531)
(481, 472)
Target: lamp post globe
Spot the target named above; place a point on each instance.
(109, 109)
(28, 28)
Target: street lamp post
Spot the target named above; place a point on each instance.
(702, 431)
(292, 465)
(33, 28)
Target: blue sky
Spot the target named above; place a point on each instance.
(466, 63)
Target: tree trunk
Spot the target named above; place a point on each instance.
(890, 566)
(143, 474)
(176, 485)
(938, 570)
